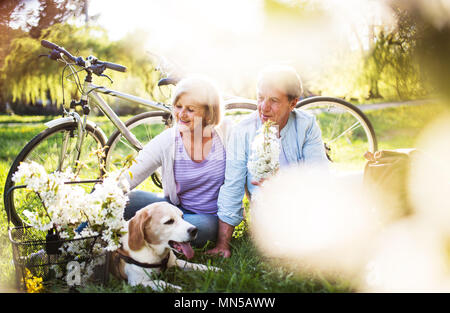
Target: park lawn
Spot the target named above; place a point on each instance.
(400, 127)
(246, 270)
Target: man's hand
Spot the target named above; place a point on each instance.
(224, 235)
(258, 183)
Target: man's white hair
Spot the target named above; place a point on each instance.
(283, 77)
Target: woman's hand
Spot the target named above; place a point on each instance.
(221, 251)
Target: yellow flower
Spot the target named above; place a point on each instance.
(33, 283)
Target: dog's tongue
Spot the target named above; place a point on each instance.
(186, 249)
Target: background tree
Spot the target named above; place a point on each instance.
(21, 18)
(387, 70)
(391, 68)
(28, 79)
(431, 22)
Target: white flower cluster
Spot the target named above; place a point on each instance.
(265, 152)
(73, 212)
(85, 266)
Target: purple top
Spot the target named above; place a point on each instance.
(198, 183)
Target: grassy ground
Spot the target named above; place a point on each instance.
(399, 127)
(246, 270)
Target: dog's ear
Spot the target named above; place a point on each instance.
(136, 229)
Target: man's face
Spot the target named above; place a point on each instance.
(274, 105)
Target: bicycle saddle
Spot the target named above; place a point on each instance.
(168, 81)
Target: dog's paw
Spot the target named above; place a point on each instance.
(175, 288)
(215, 269)
(205, 268)
(160, 285)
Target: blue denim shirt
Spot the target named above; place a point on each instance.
(302, 143)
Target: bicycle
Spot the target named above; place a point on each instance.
(346, 131)
(75, 141)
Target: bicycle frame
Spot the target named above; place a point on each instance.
(91, 91)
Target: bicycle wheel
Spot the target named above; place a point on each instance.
(46, 149)
(347, 133)
(145, 127)
(238, 108)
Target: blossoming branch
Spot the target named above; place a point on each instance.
(265, 152)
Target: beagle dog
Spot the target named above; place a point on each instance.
(153, 233)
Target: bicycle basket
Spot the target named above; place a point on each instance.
(37, 257)
(34, 256)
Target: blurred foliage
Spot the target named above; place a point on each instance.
(389, 70)
(433, 48)
(288, 9)
(408, 61)
(434, 53)
(26, 78)
(34, 17)
(26, 18)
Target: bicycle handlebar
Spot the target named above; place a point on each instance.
(79, 60)
(114, 66)
(49, 45)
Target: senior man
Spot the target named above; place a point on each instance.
(278, 91)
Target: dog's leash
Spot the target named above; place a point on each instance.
(162, 265)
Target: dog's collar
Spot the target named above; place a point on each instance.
(162, 265)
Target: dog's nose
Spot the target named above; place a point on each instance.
(192, 231)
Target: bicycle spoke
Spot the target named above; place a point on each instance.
(62, 153)
(346, 131)
(334, 128)
(351, 128)
(125, 143)
(144, 127)
(46, 149)
(42, 161)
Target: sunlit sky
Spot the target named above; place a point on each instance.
(175, 18)
(200, 35)
(233, 38)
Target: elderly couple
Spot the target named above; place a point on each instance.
(204, 160)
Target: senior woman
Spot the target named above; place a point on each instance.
(191, 156)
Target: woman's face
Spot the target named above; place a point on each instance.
(188, 114)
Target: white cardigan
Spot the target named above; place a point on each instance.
(160, 152)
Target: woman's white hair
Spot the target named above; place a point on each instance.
(205, 93)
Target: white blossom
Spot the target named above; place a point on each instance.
(265, 152)
(67, 206)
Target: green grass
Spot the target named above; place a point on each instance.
(247, 270)
(401, 126)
